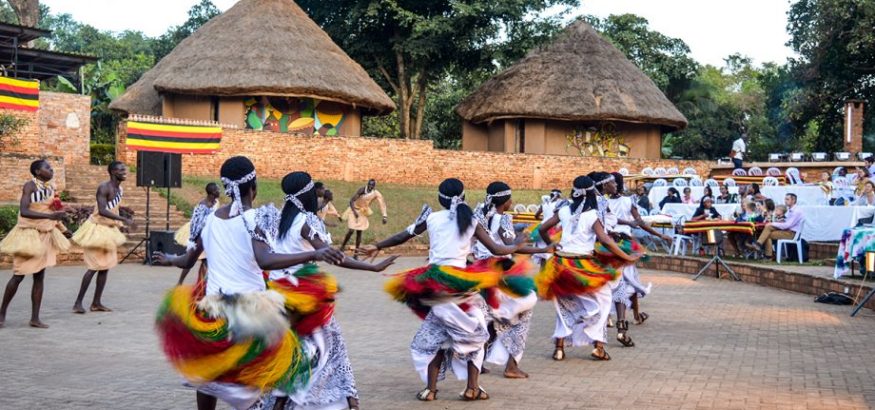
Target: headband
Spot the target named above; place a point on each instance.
(317, 226)
(489, 197)
(579, 192)
(454, 202)
(606, 180)
(232, 189)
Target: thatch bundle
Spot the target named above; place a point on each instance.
(257, 47)
(578, 77)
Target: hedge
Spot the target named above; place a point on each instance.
(102, 154)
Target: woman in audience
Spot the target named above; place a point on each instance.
(766, 209)
(672, 197)
(641, 199)
(867, 196)
(688, 197)
(706, 210)
(863, 176)
(755, 194)
(724, 197)
(827, 187)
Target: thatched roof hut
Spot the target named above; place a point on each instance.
(256, 48)
(579, 78)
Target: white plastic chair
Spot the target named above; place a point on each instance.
(623, 171)
(679, 241)
(739, 172)
(673, 171)
(679, 182)
(793, 176)
(711, 182)
(690, 171)
(773, 172)
(659, 171)
(519, 208)
(728, 182)
(755, 171)
(660, 182)
(647, 171)
(532, 208)
(696, 181)
(797, 240)
(770, 181)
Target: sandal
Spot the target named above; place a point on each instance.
(427, 395)
(599, 353)
(641, 318)
(622, 337)
(559, 354)
(610, 322)
(480, 394)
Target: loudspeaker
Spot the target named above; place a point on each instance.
(162, 241)
(159, 169)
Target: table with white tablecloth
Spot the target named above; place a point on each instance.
(822, 223)
(805, 194)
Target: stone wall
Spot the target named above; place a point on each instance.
(16, 171)
(60, 128)
(411, 162)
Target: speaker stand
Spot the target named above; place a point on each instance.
(147, 240)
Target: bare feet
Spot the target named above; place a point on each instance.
(78, 309)
(100, 308)
(484, 370)
(515, 374)
(353, 403)
(38, 324)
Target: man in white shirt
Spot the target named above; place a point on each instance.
(738, 150)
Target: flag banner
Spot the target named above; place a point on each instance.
(176, 138)
(18, 94)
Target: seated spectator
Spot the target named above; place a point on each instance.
(780, 214)
(766, 209)
(706, 210)
(641, 199)
(867, 197)
(781, 230)
(741, 240)
(870, 164)
(671, 197)
(724, 197)
(827, 187)
(754, 193)
(688, 197)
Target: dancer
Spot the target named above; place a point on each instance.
(445, 292)
(510, 311)
(310, 294)
(359, 210)
(628, 291)
(188, 233)
(327, 209)
(229, 335)
(37, 238)
(549, 205)
(575, 279)
(100, 236)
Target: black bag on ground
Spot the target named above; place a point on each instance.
(834, 298)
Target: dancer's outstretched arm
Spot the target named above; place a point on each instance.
(609, 243)
(183, 261)
(349, 262)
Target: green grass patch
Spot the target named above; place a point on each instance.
(8, 218)
(403, 202)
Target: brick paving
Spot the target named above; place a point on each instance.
(709, 344)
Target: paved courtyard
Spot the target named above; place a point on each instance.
(709, 344)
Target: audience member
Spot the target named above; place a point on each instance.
(781, 230)
(724, 197)
(867, 196)
(641, 199)
(706, 210)
(688, 197)
(672, 197)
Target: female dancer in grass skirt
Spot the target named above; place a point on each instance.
(446, 292)
(549, 205)
(574, 279)
(510, 306)
(309, 296)
(628, 291)
(230, 336)
(187, 234)
(37, 238)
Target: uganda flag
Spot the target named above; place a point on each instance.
(18, 94)
(182, 139)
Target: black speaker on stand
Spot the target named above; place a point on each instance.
(158, 170)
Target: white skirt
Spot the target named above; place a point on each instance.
(461, 333)
(584, 318)
(511, 322)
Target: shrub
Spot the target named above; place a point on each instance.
(8, 217)
(102, 154)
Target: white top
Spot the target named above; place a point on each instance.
(446, 246)
(582, 240)
(739, 147)
(548, 209)
(293, 242)
(494, 230)
(232, 268)
(621, 208)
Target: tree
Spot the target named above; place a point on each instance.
(198, 15)
(836, 45)
(28, 11)
(411, 46)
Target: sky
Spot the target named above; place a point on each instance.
(713, 29)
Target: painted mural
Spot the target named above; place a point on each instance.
(294, 115)
(603, 141)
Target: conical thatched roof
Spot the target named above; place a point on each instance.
(257, 47)
(578, 77)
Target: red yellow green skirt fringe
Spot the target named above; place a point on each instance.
(627, 244)
(242, 339)
(426, 286)
(514, 281)
(312, 297)
(567, 275)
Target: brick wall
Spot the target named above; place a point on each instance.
(60, 128)
(411, 162)
(16, 171)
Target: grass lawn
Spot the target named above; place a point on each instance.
(403, 202)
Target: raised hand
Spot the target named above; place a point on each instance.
(368, 251)
(330, 255)
(385, 263)
(160, 258)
